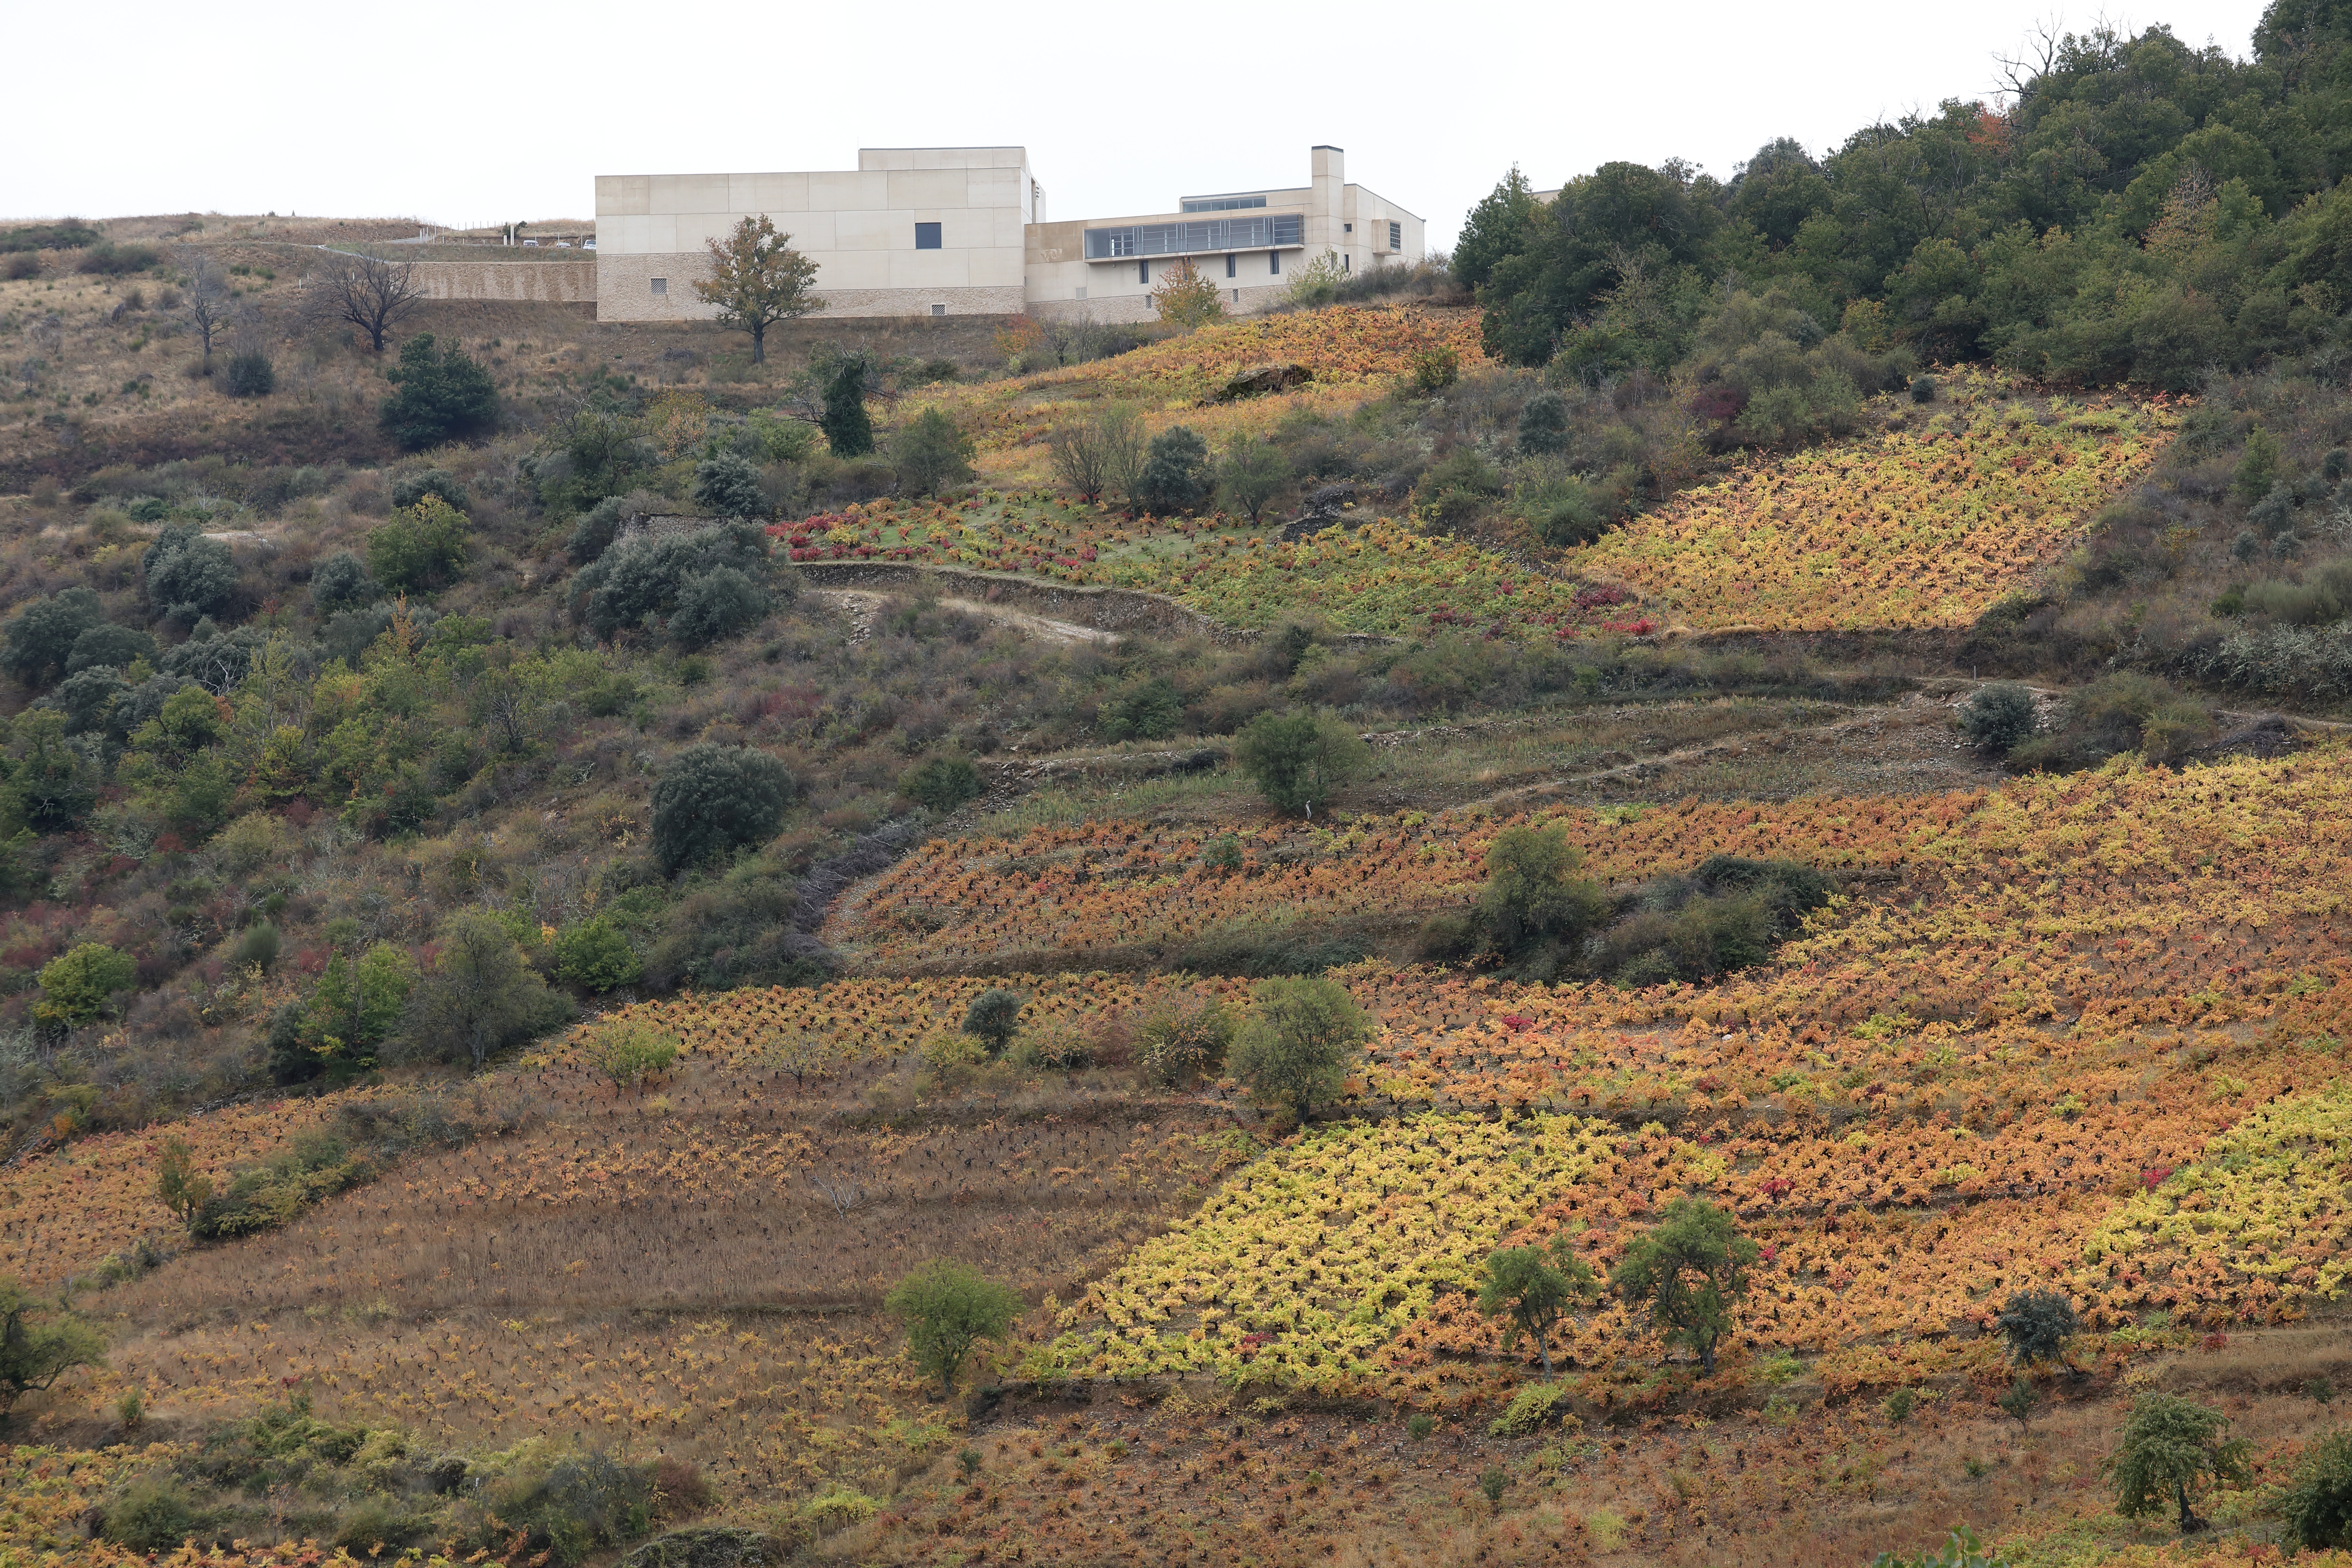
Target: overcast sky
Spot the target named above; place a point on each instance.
(473, 113)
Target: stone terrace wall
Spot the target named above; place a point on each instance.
(541, 283)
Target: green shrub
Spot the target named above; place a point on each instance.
(1687, 1271)
(730, 485)
(595, 954)
(250, 374)
(947, 1308)
(943, 783)
(995, 1017)
(340, 582)
(1294, 1047)
(1299, 760)
(2172, 1450)
(716, 604)
(154, 1514)
(2316, 1511)
(257, 947)
(442, 394)
(2000, 716)
(413, 485)
(636, 583)
(1146, 710)
(79, 986)
(712, 800)
(1176, 1046)
(419, 548)
(479, 996)
(952, 1059)
(849, 430)
(1175, 476)
(1964, 1549)
(1418, 1427)
(188, 576)
(43, 635)
(931, 452)
(40, 1344)
(2037, 1324)
(1530, 1408)
(1434, 369)
(314, 1165)
(628, 1051)
(1543, 425)
(1898, 1406)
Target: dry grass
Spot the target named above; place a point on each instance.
(696, 1266)
(1232, 1480)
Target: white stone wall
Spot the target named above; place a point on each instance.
(858, 226)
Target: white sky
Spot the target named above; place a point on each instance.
(479, 112)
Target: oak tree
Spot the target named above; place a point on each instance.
(757, 279)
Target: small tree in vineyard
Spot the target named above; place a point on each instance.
(947, 1308)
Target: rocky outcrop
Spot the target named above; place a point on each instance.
(1259, 379)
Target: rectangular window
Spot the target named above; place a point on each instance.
(1229, 266)
(1347, 264)
(1347, 228)
(661, 285)
(1396, 236)
(1237, 296)
(1077, 293)
(1274, 261)
(927, 236)
(1143, 272)
(939, 310)
(1222, 204)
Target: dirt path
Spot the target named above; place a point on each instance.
(865, 603)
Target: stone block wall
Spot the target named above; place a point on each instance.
(623, 292)
(543, 282)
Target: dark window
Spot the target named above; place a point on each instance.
(1347, 264)
(661, 285)
(1274, 261)
(1229, 266)
(939, 310)
(927, 236)
(1223, 204)
(1143, 272)
(1396, 236)
(1347, 228)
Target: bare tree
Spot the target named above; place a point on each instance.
(842, 1189)
(366, 292)
(209, 302)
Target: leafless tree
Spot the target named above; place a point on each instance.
(366, 292)
(209, 302)
(841, 1189)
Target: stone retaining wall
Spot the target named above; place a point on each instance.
(541, 283)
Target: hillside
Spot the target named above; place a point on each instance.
(547, 870)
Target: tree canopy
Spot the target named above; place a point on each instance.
(757, 279)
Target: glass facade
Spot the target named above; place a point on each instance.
(1187, 238)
